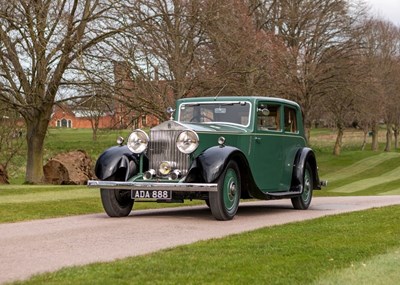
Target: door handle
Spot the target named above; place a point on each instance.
(257, 139)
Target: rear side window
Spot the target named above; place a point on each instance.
(290, 120)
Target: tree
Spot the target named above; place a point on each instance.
(316, 34)
(239, 59)
(381, 52)
(341, 100)
(40, 41)
(158, 53)
(396, 104)
(389, 76)
(96, 104)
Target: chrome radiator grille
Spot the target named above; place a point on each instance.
(162, 147)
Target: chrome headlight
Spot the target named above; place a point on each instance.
(138, 141)
(187, 141)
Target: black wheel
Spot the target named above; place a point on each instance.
(225, 203)
(116, 203)
(303, 202)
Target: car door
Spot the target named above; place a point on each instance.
(292, 142)
(267, 158)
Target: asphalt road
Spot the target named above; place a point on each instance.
(28, 248)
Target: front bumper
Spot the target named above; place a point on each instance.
(164, 186)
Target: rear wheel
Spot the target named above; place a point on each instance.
(303, 202)
(225, 202)
(116, 203)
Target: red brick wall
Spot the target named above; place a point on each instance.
(66, 118)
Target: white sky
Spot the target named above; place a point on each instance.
(386, 9)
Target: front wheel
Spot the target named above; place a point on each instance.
(116, 203)
(303, 202)
(225, 202)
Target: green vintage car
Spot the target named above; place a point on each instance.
(219, 150)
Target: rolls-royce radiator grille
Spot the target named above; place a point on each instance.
(162, 147)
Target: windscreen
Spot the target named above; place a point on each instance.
(211, 112)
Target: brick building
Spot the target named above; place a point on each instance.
(119, 118)
(65, 117)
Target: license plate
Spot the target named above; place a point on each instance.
(151, 194)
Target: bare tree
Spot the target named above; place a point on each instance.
(158, 53)
(396, 103)
(343, 96)
(97, 104)
(239, 59)
(381, 53)
(180, 48)
(369, 111)
(389, 76)
(316, 34)
(39, 43)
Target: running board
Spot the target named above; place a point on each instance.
(283, 194)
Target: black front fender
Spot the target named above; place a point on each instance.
(211, 163)
(113, 160)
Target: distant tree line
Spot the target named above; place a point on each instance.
(330, 56)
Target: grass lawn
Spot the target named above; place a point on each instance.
(355, 248)
(369, 173)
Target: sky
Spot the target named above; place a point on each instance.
(386, 9)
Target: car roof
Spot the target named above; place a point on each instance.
(252, 99)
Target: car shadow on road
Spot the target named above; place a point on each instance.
(253, 210)
(204, 213)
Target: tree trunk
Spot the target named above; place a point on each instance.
(338, 144)
(94, 121)
(375, 143)
(396, 138)
(36, 133)
(307, 130)
(389, 135)
(364, 144)
(94, 135)
(3, 175)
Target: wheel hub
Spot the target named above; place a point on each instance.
(232, 190)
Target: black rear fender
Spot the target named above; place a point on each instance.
(303, 156)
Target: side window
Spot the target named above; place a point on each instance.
(290, 120)
(268, 118)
